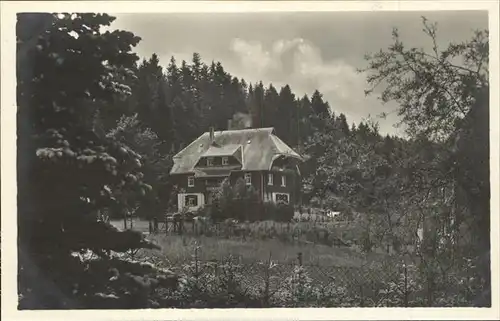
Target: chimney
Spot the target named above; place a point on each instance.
(229, 124)
(212, 135)
(247, 121)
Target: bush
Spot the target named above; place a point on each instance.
(239, 202)
(280, 212)
(284, 212)
(229, 283)
(243, 203)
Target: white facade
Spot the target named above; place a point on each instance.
(190, 201)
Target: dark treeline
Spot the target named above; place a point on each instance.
(182, 100)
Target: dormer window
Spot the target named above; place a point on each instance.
(248, 178)
(210, 161)
(191, 181)
(225, 161)
(270, 179)
(283, 180)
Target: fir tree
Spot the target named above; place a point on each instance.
(68, 172)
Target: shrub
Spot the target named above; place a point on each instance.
(280, 212)
(228, 283)
(284, 212)
(211, 285)
(236, 201)
(298, 290)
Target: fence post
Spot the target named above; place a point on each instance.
(362, 303)
(430, 289)
(406, 284)
(267, 281)
(166, 225)
(299, 258)
(150, 227)
(196, 260)
(196, 268)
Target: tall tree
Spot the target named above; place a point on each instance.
(319, 106)
(156, 162)
(67, 171)
(286, 122)
(437, 92)
(442, 97)
(341, 123)
(304, 128)
(174, 104)
(150, 99)
(271, 103)
(256, 105)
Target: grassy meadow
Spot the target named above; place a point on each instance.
(180, 248)
(348, 266)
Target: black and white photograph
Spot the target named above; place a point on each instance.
(253, 159)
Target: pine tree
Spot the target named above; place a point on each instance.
(305, 129)
(271, 103)
(319, 106)
(341, 123)
(256, 105)
(173, 96)
(286, 111)
(68, 172)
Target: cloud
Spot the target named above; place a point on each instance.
(308, 50)
(300, 64)
(335, 77)
(252, 56)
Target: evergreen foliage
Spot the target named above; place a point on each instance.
(69, 170)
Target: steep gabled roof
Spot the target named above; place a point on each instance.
(259, 146)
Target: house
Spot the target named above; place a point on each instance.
(255, 154)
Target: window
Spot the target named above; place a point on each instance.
(248, 178)
(210, 161)
(191, 200)
(191, 181)
(270, 178)
(282, 198)
(225, 161)
(283, 180)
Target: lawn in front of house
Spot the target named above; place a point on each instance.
(180, 249)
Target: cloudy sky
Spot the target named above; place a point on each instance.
(308, 51)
